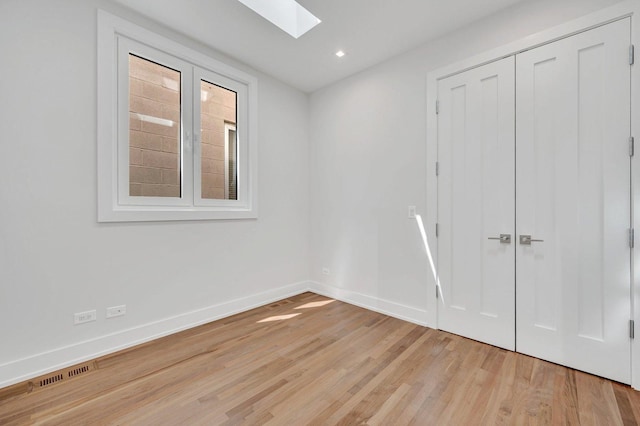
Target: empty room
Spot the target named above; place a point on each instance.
(407, 212)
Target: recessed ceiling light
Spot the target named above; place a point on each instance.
(340, 53)
(288, 15)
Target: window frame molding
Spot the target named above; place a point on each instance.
(112, 206)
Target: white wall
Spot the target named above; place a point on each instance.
(366, 165)
(368, 162)
(55, 259)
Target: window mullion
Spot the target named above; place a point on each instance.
(189, 136)
(197, 129)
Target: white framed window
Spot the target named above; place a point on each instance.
(176, 130)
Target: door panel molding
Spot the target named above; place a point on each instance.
(476, 203)
(573, 192)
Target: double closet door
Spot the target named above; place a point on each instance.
(534, 202)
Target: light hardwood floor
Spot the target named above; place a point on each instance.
(310, 360)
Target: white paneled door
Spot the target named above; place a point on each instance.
(476, 203)
(573, 195)
(534, 207)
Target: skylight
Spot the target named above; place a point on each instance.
(286, 14)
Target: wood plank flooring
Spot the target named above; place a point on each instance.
(311, 360)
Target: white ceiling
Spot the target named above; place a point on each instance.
(369, 31)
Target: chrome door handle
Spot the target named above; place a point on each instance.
(504, 238)
(526, 240)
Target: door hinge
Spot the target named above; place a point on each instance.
(437, 293)
(632, 328)
(632, 54)
(437, 107)
(632, 146)
(437, 230)
(437, 168)
(631, 238)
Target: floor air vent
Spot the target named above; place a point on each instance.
(50, 380)
(62, 375)
(78, 370)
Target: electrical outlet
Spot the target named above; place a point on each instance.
(82, 317)
(116, 311)
(326, 271)
(412, 212)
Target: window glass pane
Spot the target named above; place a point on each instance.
(219, 145)
(232, 169)
(154, 129)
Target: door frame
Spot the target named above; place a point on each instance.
(629, 8)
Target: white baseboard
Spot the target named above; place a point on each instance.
(393, 309)
(36, 365)
(27, 368)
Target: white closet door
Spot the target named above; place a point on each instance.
(573, 194)
(476, 203)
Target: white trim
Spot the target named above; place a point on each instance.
(26, 368)
(635, 190)
(110, 28)
(39, 364)
(431, 216)
(621, 10)
(376, 304)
